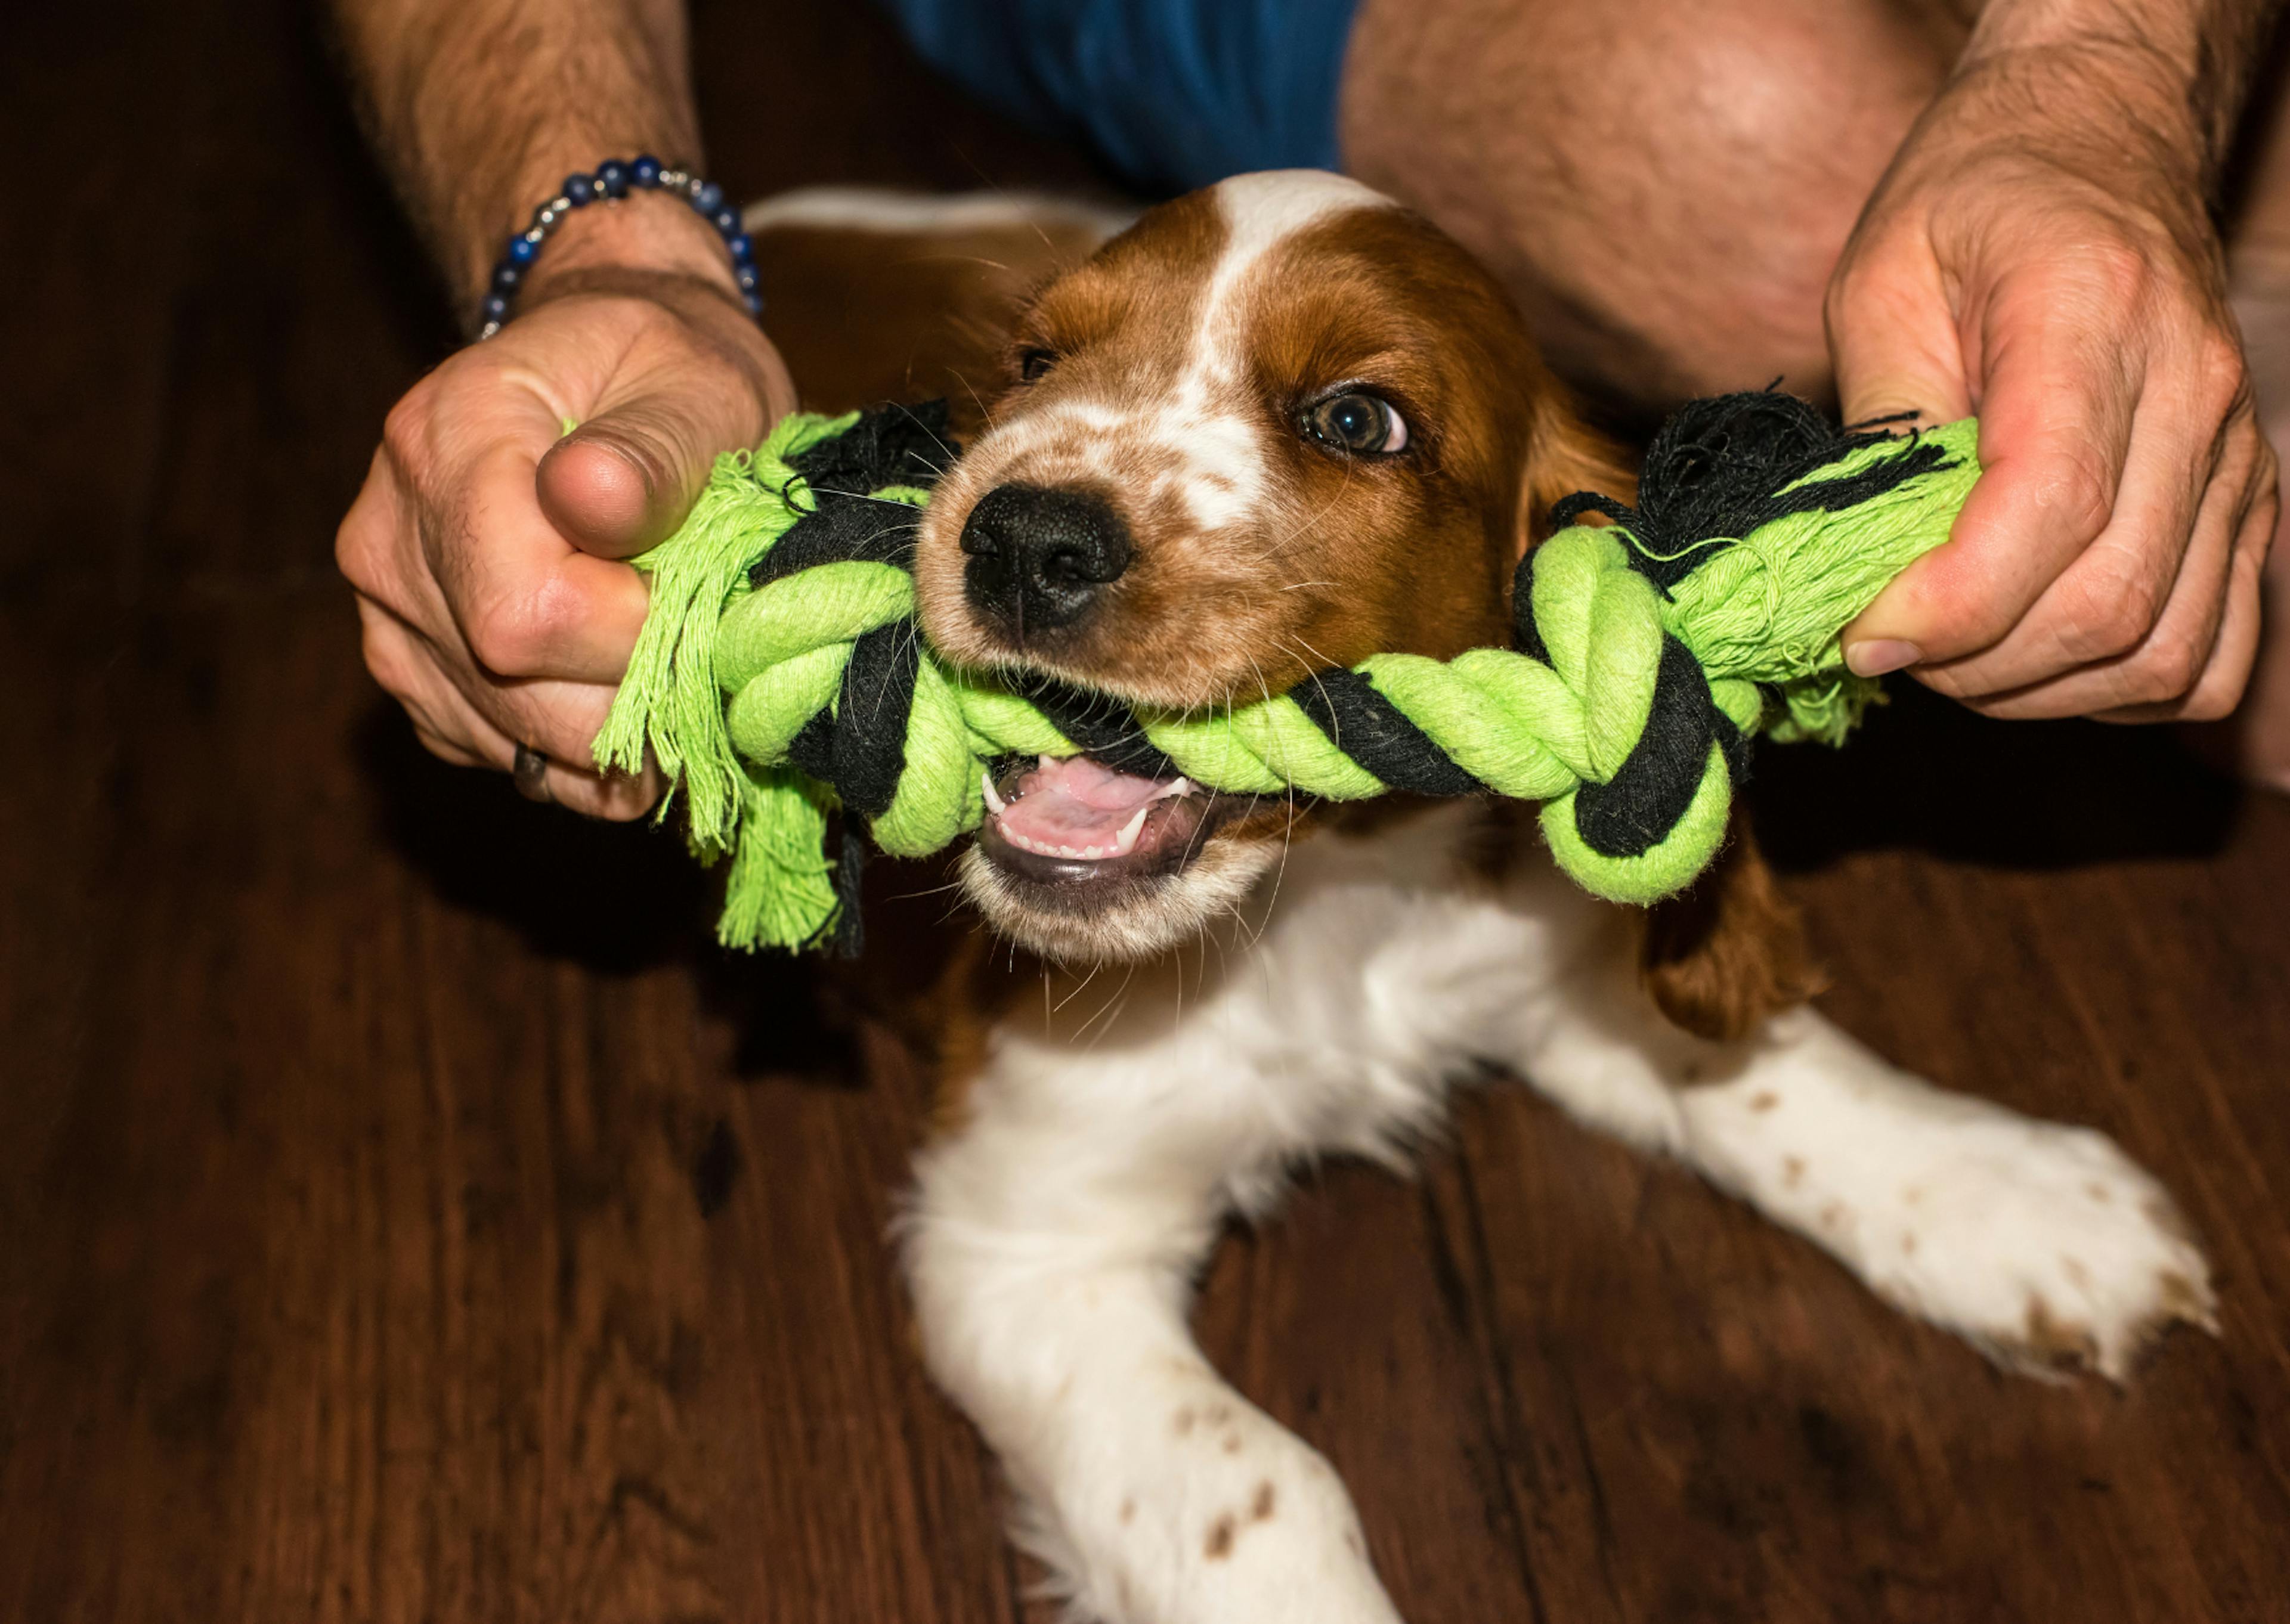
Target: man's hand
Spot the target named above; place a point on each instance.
(2039, 253)
(485, 546)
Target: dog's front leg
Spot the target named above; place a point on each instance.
(2043, 1243)
(1051, 1252)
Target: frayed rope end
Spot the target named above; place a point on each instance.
(669, 702)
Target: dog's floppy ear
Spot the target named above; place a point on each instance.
(1563, 455)
(1720, 958)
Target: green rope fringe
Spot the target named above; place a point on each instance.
(772, 821)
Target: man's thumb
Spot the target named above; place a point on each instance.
(623, 481)
(1905, 375)
(1902, 390)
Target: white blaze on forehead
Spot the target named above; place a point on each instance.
(1207, 418)
(1261, 212)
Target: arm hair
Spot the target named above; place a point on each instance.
(2201, 55)
(479, 108)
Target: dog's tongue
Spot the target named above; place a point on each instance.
(1077, 807)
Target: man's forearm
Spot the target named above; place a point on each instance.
(2196, 56)
(480, 108)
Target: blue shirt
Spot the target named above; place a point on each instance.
(1173, 94)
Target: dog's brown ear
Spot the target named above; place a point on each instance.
(1565, 455)
(869, 312)
(1722, 958)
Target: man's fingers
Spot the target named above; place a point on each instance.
(481, 720)
(573, 783)
(443, 748)
(562, 720)
(2196, 645)
(405, 664)
(526, 604)
(2234, 656)
(2055, 426)
(558, 719)
(623, 481)
(618, 799)
(2109, 601)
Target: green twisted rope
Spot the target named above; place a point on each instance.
(731, 683)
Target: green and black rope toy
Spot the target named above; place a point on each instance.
(780, 674)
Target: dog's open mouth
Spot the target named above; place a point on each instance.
(1080, 826)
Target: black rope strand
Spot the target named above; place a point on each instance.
(869, 750)
(1719, 468)
(1634, 810)
(1365, 725)
(1103, 726)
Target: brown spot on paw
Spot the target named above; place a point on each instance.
(1128, 1511)
(2099, 1192)
(2077, 1274)
(2187, 1299)
(2054, 1344)
(1908, 1245)
(1792, 1172)
(1232, 1442)
(1183, 1423)
(1259, 1509)
(2166, 1217)
(1219, 1544)
(1763, 1099)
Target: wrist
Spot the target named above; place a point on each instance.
(646, 232)
(2175, 73)
(633, 221)
(2099, 109)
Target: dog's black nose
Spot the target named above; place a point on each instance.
(1039, 557)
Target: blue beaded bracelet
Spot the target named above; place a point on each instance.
(612, 180)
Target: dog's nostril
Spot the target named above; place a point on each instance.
(1039, 556)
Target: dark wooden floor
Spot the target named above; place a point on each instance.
(404, 1217)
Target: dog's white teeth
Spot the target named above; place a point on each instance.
(1068, 851)
(1179, 786)
(1125, 842)
(1092, 851)
(994, 803)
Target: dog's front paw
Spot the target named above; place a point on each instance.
(2044, 1245)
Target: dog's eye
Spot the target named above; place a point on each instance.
(1360, 425)
(1033, 363)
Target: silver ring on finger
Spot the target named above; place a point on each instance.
(530, 774)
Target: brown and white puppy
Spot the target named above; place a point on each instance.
(1275, 425)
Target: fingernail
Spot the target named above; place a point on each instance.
(1875, 656)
